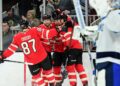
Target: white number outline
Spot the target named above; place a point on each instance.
(26, 48)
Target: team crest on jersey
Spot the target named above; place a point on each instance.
(39, 29)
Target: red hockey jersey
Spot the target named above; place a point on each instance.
(31, 45)
(68, 41)
(47, 43)
(58, 44)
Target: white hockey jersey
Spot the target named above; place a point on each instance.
(108, 43)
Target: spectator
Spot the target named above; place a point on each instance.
(49, 8)
(36, 4)
(7, 34)
(66, 5)
(7, 4)
(31, 17)
(56, 3)
(12, 19)
(24, 6)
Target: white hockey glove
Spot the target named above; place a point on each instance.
(90, 33)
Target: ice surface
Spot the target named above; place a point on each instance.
(12, 74)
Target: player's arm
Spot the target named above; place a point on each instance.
(51, 33)
(10, 50)
(67, 37)
(47, 34)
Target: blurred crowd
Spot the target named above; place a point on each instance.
(32, 11)
(57, 16)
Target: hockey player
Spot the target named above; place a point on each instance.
(59, 55)
(74, 53)
(75, 60)
(46, 26)
(108, 49)
(29, 42)
(47, 43)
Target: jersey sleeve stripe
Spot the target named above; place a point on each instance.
(67, 39)
(46, 43)
(47, 33)
(11, 50)
(69, 33)
(14, 45)
(42, 33)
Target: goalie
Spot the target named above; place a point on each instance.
(107, 49)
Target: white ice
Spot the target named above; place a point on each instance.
(12, 74)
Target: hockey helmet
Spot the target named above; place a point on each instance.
(62, 16)
(24, 24)
(46, 17)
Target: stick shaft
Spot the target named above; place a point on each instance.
(79, 13)
(17, 62)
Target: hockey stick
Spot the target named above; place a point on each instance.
(6, 60)
(17, 62)
(81, 22)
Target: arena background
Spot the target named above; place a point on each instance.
(14, 74)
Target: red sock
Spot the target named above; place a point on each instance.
(37, 80)
(82, 73)
(72, 75)
(57, 74)
(49, 76)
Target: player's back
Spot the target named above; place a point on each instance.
(31, 45)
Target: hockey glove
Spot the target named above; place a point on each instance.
(69, 24)
(90, 33)
(64, 29)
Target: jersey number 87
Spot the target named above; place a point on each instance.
(25, 46)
